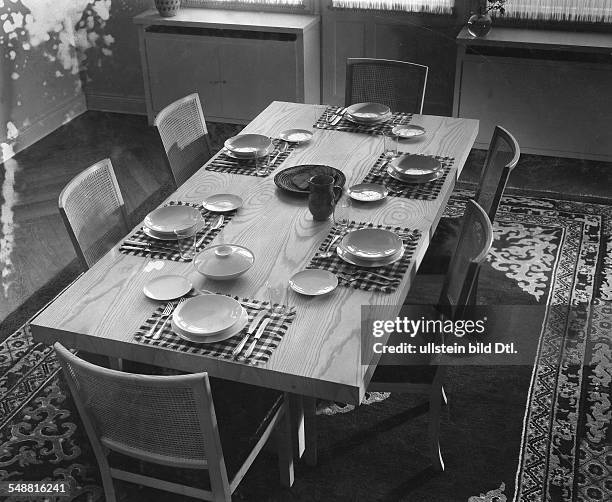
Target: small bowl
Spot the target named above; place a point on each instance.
(224, 262)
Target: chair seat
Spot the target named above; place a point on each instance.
(442, 246)
(243, 414)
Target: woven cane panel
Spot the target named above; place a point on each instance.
(472, 242)
(156, 420)
(183, 132)
(398, 87)
(93, 208)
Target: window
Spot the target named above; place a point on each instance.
(428, 6)
(226, 3)
(561, 10)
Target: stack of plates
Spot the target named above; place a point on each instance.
(165, 221)
(249, 146)
(370, 247)
(368, 113)
(415, 168)
(209, 319)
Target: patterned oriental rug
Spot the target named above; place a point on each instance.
(537, 432)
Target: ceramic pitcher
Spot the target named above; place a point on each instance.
(322, 197)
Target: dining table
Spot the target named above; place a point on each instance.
(319, 356)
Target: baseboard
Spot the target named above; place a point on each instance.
(116, 103)
(47, 123)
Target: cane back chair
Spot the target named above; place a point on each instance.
(183, 133)
(398, 84)
(171, 421)
(502, 157)
(428, 377)
(93, 211)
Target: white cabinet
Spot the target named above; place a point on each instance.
(237, 61)
(552, 90)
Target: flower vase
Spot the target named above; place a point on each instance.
(168, 8)
(479, 25)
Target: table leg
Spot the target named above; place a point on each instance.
(296, 407)
(310, 425)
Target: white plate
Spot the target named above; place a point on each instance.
(222, 202)
(371, 243)
(408, 131)
(296, 136)
(207, 314)
(248, 145)
(415, 165)
(230, 332)
(167, 287)
(224, 261)
(171, 236)
(313, 282)
(168, 219)
(368, 192)
(257, 155)
(368, 263)
(415, 180)
(368, 112)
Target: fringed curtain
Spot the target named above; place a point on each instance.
(561, 10)
(429, 6)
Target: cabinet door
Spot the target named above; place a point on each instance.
(255, 73)
(180, 65)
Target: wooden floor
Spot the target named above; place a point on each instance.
(36, 248)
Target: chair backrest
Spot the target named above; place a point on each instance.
(93, 211)
(474, 242)
(502, 158)
(398, 84)
(183, 132)
(169, 420)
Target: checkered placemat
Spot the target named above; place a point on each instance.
(168, 250)
(422, 191)
(281, 316)
(385, 279)
(398, 118)
(223, 163)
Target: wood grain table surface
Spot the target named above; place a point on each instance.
(319, 355)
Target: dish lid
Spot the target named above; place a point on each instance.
(207, 314)
(224, 260)
(371, 243)
(169, 219)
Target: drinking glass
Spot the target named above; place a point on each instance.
(278, 296)
(342, 213)
(186, 239)
(262, 165)
(390, 145)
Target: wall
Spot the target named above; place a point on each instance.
(44, 46)
(115, 83)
